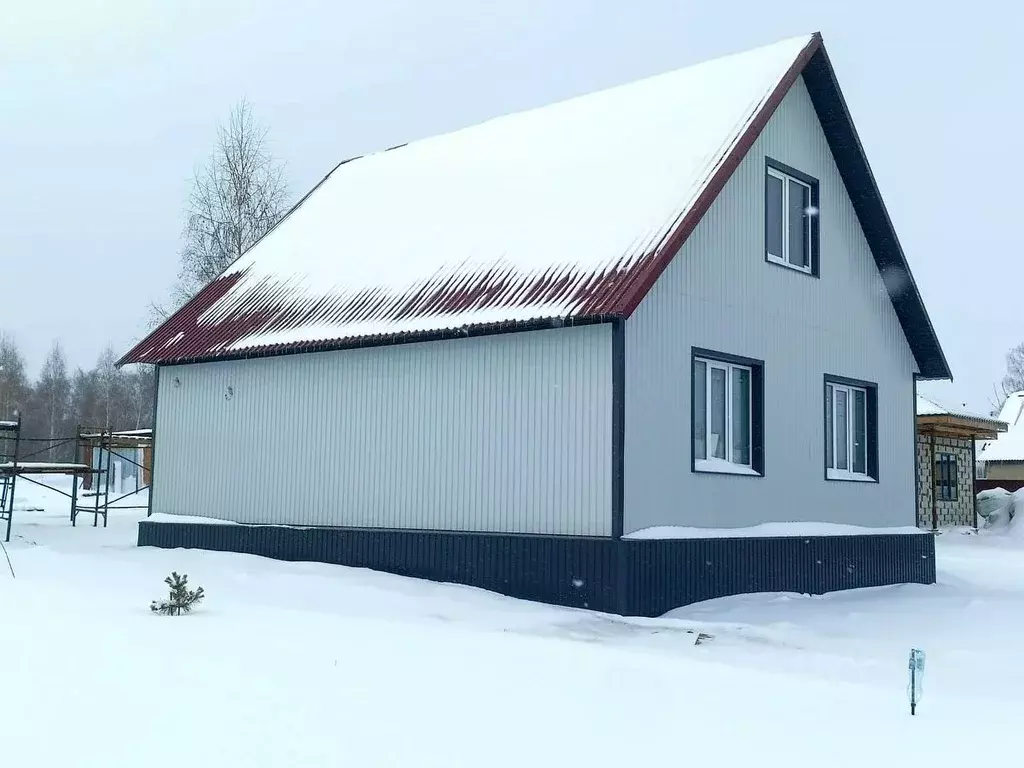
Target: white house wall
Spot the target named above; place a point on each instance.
(507, 433)
(720, 294)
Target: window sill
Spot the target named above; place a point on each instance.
(783, 263)
(850, 477)
(723, 467)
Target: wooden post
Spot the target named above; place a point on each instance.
(931, 480)
(974, 483)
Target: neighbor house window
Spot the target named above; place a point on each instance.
(727, 426)
(791, 218)
(851, 430)
(945, 477)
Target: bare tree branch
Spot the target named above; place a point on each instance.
(236, 198)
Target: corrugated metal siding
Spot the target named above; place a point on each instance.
(720, 294)
(504, 433)
(645, 578)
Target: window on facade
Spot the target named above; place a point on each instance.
(727, 414)
(850, 431)
(791, 218)
(945, 477)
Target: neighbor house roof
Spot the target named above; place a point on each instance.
(559, 215)
(936, 419)
(1009, 446)
(928, 407)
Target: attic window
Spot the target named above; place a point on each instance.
(790, 218)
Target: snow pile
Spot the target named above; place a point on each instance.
(767, 530)
(995, 506)
(1003, 512)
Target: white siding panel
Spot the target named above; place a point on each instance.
(719, 293)
(508, 433)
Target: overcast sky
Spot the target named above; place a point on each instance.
(106, 108)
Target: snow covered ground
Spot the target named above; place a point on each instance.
(297, 664)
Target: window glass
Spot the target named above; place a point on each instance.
(700, 409)
(773, 215)
(716, 435)
(799, 231)
(829, 434)
(741, 416)
(860, 431)
(842, 431)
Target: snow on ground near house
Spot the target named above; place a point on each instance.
(314, 665)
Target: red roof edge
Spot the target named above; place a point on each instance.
(645, 277)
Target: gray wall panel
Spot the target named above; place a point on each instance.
(719, 293)
(507, 433)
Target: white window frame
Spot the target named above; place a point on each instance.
(832, 472)
(783, 259)
(714, 464)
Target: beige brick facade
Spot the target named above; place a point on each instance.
(950, 513)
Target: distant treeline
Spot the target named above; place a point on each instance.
(60, 400)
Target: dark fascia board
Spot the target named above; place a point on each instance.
(410, 337)
(841, 134)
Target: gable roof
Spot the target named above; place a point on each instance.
(933, 418)
(565, 214)
(1009, 446)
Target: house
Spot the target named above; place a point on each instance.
(636, 349)
(1001, 458)
(947, 464)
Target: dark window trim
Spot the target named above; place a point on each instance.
(946, 477)
(152, 449)
(757, 416)
(618, 426)
(813, 183)
(871, 388)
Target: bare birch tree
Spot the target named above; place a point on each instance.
(14, 386)
(52, 401)
(236, 198)
(1013, 381)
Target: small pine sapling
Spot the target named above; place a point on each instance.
(181, 600)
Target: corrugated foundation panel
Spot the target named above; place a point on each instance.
(662, 575)
(508, 433)
(644, 578)
(572, 571)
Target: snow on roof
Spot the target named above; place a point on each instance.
(8, 425)
(564, 214)
(549, 213)
(927, 407)
(1010, 445)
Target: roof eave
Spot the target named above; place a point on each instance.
(380, 340)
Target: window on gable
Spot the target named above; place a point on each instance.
(727, 427)
(945, 477)
(791, 218)
(851, 430)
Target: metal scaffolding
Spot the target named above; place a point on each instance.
(90, 471)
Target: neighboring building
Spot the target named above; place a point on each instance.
(558, 353)
(946, 463)
(1003, 457)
